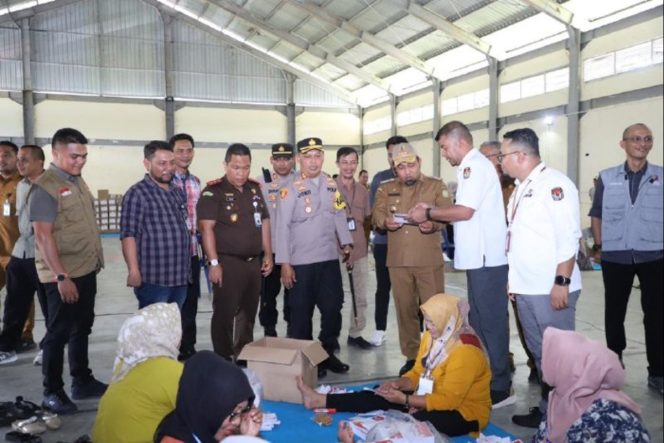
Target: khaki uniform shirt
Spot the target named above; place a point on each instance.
(311, 221)
(237, 231)
(357, 209)
(407, 246)
(271, 197)
(8, 222)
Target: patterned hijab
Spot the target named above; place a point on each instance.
(448, 315)
(580, 371)
(154, 331)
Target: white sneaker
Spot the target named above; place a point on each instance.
(38, 358)
(378, 338)
(7, 357)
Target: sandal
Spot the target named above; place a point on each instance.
(32, 425)
(23, 409)
(20, 437)
(52, 420)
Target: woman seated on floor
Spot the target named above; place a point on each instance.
(215, 400)
(145, 377)
(449, 384)
(586, 403)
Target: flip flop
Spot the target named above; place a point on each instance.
(32, 425)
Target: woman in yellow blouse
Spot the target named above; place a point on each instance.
(449, 384)
(145, 379)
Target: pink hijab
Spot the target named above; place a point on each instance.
(580, 371)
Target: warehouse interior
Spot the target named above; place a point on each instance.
(352, 72)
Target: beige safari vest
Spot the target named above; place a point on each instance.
(75, 228)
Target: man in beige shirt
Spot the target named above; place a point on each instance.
(414, 255)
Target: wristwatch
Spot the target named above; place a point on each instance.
(213, 262)
(561, 280)
(427, 213)
(61, 277)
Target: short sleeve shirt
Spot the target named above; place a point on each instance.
(238, 214)
(481, 239)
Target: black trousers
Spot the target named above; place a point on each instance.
(68, 324)
(22, 282)
(450, 423)
(318, 284)
(190, 307)
(383, 287)
(618, 280)
(270, 288)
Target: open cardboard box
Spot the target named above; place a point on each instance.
(277, 361)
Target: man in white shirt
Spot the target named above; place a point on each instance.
(479, 230)
(542, 243)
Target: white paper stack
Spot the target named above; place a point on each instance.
(270, 420)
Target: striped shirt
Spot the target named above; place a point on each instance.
(157, 219)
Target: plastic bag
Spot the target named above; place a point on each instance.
(256, 385)
(397, 426)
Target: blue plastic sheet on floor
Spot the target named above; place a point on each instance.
(297, 425)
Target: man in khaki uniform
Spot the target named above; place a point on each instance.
(414, 256)
(9, 179)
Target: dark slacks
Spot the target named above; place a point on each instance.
(383, 287)
(271, 286)
(450, 423)
(68, 324)
(618, 280)
(234, 305)
(22, 282)
(190, 307)
(318, 284)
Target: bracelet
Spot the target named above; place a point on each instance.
(407, 403)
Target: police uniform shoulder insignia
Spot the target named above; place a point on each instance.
(339, 202)
(215, 181)
(207, 194)
(331, 182)
(557, 193)
(466, 172)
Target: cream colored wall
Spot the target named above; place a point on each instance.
(219, 125)
(333, 128)
(119, 121)
(553, 140)
(11, 118)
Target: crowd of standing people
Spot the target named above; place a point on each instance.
(517, 231)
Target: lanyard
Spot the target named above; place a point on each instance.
(352, 199)
(518, 199)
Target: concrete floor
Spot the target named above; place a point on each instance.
(116, 302)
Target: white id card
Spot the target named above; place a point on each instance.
(425, 387)
(257, 219)
(6, 209)
(400, 218)
(351, 224)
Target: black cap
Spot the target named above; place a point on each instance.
(309, 144)
(282, 149)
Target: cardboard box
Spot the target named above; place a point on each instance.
(277, 361)
(103, 194)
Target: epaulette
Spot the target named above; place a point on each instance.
(215, 182)
(387, 181)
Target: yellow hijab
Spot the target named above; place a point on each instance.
(446, 313)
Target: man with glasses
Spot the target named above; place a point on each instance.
(281, 176)
(626, 221)
(478, 216)
(543, 233)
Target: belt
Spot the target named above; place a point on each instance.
(243, 257)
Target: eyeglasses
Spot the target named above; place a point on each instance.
(239, 413)
(501, 156)
(639, 139)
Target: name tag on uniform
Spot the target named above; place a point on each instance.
(425, 386)
(6, 209)
(257, 219)
(351, 224)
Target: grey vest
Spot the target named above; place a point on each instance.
(637, 227)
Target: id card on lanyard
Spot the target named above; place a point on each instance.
(425, 385)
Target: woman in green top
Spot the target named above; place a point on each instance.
(145, 377)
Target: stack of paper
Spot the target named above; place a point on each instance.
(270, 420)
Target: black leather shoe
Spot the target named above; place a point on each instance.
(530, 420)
(88, 388)
(359, 342)
(406, 367)
(335, 365)
(322, 372)
(59, 403)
